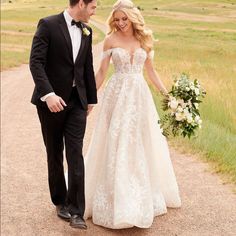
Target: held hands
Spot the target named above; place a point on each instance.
(90, 108)
(55, 103)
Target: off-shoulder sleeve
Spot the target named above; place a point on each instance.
(106, 53)
(151, 54)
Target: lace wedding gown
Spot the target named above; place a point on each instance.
(129, 176)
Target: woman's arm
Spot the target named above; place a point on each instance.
(101, 73)
(153, 76)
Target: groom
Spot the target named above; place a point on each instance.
(62, 68)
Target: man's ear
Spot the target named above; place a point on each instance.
(81, 4)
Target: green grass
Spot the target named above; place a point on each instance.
(18, 23)
(14, 58)
(18, 28)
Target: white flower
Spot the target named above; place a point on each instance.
(180, 116)
(173, 104)
(192, 87)
(186, 112)
(189, 118)
(197, 84)
(179, 109)
(177, 83)
(187, 88)
(190, 103)
(183, 104)
(196, 91)
(198, 120)
(86, 31)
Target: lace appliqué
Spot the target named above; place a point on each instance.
(106, 54)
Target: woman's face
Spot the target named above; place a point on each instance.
(121, 21)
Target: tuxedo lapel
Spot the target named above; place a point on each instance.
(66, 33)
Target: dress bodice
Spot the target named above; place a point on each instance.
(124, 62)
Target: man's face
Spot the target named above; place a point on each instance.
(87, 10)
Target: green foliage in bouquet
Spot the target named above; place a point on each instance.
(182, 115)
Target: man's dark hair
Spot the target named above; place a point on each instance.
(74, 2)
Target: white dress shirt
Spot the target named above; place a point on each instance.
(75, 35)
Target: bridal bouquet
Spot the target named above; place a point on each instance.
(182, 107)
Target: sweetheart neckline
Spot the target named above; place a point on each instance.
(127, 50)
(131, 56)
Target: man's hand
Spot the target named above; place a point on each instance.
(55, 103)
(90, 108)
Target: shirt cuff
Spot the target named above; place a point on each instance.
(43, 99)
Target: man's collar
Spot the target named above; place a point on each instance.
(68, 17)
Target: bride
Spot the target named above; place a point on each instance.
(129, 176)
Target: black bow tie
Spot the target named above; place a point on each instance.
(77, 23)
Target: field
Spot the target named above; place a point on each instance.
(196, 37)
(18, 23)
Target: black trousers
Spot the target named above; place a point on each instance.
(65, 129)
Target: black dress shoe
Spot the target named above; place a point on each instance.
(63, 212)
(77, 222)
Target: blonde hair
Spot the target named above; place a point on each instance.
(141, 33)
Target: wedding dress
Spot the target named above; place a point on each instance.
(129, 177)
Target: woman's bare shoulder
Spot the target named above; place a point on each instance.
(109, 41)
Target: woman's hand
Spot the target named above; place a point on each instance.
(90, 108)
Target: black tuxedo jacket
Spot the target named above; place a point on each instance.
(52, 66)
